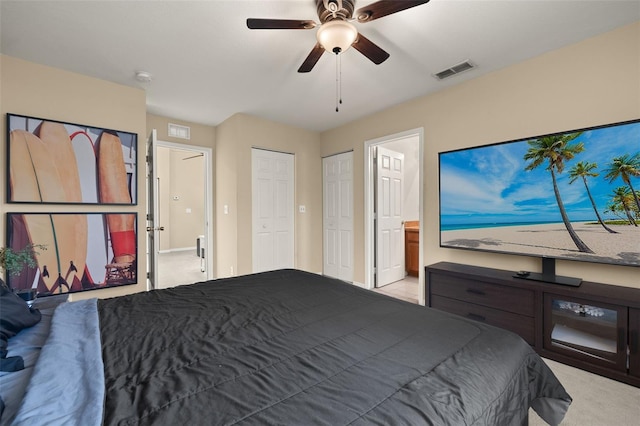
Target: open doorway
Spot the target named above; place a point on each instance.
(184, 205)
(393, 211)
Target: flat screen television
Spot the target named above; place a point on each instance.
(572, 195)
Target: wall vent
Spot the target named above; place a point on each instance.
(181, 132)
(454, 70)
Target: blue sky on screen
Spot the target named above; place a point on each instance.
(489, 184)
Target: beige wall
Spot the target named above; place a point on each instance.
(180, 174)
(39, 91)
(187, 184)
(225, 181)
(163, 173)
(593, 82)
(201, 135)
(235, 138)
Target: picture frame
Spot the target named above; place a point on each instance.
(74, 251)
(55, 162)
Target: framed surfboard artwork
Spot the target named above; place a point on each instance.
(53, 162)
(74, 251)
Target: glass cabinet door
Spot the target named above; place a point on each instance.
(592, 331)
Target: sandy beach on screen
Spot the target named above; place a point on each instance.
(553, 240)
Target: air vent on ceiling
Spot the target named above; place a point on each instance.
(177, 131)
(454, 70)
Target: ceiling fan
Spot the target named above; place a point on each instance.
(336, 33)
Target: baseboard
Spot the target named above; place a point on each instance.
(362, 285)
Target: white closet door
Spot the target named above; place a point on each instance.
(338, 216)
(272, 210)
(389, 232)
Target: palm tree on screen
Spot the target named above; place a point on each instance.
(582, 170)
(625, 167)
(556, 150)
(623, 198)
(615, 209)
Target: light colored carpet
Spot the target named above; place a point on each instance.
(597, 401)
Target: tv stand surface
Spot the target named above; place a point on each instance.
(548, 274)
(525, 307)
(555, 279)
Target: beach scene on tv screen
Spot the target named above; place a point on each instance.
(572, 195)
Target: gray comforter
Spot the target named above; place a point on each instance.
(283, 347)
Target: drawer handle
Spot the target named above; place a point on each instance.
(475, 291)
(476, 317)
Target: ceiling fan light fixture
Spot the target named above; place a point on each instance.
(336, 36)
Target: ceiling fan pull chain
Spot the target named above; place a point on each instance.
(340, 79)
(337, 82)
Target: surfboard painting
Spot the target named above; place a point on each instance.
(53, 162)
(82, 251)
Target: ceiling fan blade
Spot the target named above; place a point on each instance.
(312, 59)
(370, 50)
(385, 7)
(279, 24)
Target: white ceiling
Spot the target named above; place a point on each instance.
(207, 65)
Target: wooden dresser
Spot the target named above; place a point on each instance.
(511, 308)
(412, 247)
(595, 327)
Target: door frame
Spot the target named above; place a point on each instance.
(369, 183)
(152, 211)
(207, 154)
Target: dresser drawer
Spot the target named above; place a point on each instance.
(522, 325)
(517, 300)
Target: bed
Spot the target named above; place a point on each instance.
(26, 345)
(281, 347)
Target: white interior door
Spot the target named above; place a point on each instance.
(272, 210)
(152, 213)
(338, 216)
(389, 225)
